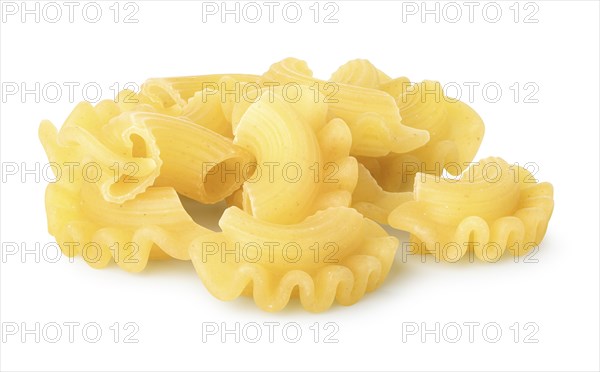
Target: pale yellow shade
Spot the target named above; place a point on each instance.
(493, 207)
(335, 254)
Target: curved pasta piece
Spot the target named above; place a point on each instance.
(302, 160)
(308, 104)
(493, 207)
(197, 162)
(455, 129)
(172, 93)
(360, 72)
(154, 225)
(371, 114)
(124, 159)
(372, 201)
(334, 254)
(128, 152)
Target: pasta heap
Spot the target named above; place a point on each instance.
(308, 168)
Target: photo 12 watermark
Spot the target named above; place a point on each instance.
(472, 92)
(270, 252)
(66, 91)
(270, 11)
(69, 11)
(469, 332)
(525, 12)
(270, 332)
(51, 252)
(69, 332)
(452, 252)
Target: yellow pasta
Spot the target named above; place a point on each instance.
(127, 153)
(308, 168)
(154, 225)
(121, 161)
(455, 132)
(197, 162)
(302, 160)
(371, 114)
(493, 207)
(334, 254)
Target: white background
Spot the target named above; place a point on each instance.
(558, 291)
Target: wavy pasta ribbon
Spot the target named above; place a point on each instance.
(333, 254)
(491, 208)
(154, 225)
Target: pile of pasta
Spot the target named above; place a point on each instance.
(309, 170)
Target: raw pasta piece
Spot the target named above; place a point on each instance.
(154, 225)
(277, 137)
(455, 130)
(308, 104)
(128, 152)
(372, 201)
(334, 254)
(336, 174)
(122, 160)
(491, 208)
(360, 72)
(371, 114)
(197, 162)
(172, 93)
(303, 161)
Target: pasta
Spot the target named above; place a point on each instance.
(153, 144)
(493, 207)
(308, 169)
(154, 225)
(206, 173)
(455, 132)
(334, 254)
(290, 183)
(123, 159)
(371, 114)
